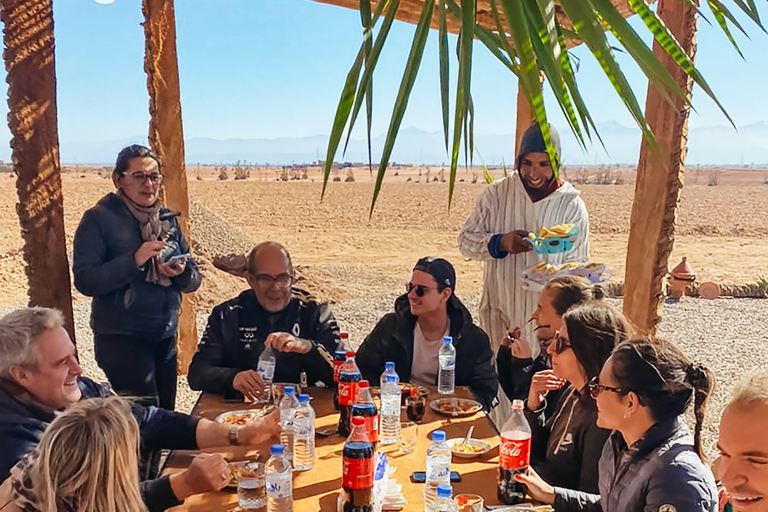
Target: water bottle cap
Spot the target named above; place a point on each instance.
(389, 365)
(289, 390)
(363, 384)
(303, 398)
(438, 435)
(444, 491)
(518, 404)
(447, 339)
(391, 378)
(276, 449)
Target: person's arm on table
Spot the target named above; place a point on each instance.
(563, 500)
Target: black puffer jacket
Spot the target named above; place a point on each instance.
(392, 340)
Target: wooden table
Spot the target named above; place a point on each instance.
(319, 488)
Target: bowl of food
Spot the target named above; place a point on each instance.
(455, 407)
(557, 239)
(244, 469)
(469, 449)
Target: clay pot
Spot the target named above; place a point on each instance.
(679, 279)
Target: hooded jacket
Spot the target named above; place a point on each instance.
(22, 424)
(392, 340)
(660, 473)
(103, 264)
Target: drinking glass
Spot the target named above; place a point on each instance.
(409, 432)
(252, 488)
(416, 406)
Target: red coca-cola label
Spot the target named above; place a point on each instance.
(515, 450)
(347, 392)
(358, 473)
(337, 370)
(372, 427)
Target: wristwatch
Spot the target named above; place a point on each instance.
(233, 440)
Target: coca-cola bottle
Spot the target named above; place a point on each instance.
(338, 361)
(514, 456)
(357, 470)
(365, 408)
(349, 376)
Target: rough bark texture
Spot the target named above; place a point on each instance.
(659, 181)
(167, 139)
(29, 61)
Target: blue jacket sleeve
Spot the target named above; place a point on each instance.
(158, 494)
(568, 500)
(16, 442)
(685, 484)
(162, 429)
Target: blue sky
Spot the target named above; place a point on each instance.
(274, 68)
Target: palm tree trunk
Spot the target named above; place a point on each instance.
(29, 61)
(659, 181)
(167, 139)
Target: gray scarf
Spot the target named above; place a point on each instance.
(152, 230)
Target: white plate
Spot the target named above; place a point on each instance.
(467, 407)
(472, 442)
(239, 417)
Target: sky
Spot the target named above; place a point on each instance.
(275, 68)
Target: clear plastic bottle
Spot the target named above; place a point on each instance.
(304, 435)
(438, 468)
(390, 410)
(288, 405)
(447, 374)
(389, 369)
(266, 370)
(444, 501)
(279, 479)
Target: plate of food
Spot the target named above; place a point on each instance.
(456, 407)
(244, 469)
(555, 239)
(241, 418)
(469, 450)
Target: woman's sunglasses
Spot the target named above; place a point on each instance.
(420, 289)
(559, 344)
(595, 388)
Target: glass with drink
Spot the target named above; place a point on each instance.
(408, 435)
(416, 405)
(252, 488)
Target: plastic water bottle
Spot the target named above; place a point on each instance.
(390, 410)
(447, 375)
(266, 370)
(304, 435)
(288, 405)
(389, 369)
(444, 501)
(279, 479)
(438, 468)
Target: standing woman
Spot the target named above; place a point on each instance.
(131, 257)
(651, 461)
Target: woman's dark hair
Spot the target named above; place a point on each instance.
(664, 380)
(594, 330)
(129, 153)
(567, 291)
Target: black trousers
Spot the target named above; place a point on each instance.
(140, 368)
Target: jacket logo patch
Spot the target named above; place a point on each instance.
(667, 508)
(296, 330)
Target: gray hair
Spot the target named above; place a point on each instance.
(18, 330)
(751, 389)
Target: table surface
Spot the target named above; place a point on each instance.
(319, 488)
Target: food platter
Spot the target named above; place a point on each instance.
(240, 418)
(455, 407)
(474, 448)
(247, 469)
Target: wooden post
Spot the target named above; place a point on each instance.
(659, 182)
(29, 61)
(167, 139)
(524, 118)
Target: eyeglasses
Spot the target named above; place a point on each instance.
(559, 344)
(420, 289)
(595, 388)
(141, 177)
(266, 280)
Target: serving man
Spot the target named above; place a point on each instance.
(40, 375)
(496, 233)
(413, 335)
(302, 332)
(743, 445)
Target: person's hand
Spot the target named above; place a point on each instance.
(208, 472)
(542, 383)
(515, 242)
(285, 342)
(147, 251)
(519, 348)
(538, 489)
(260, 430)
(172, 270)
(249, 383)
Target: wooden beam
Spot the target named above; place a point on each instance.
(167, 139)
(659, 181)
(29, 61)
(525, 118)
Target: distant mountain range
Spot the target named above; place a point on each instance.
(715, 145)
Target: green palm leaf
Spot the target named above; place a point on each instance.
(444, 69)
(365, 16)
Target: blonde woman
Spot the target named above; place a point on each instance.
(86, 462)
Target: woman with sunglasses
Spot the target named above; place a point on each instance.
(651, 462)
(566, 442)
(413, 334)
(129, 255)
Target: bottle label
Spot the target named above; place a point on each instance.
(358, 473)
(279, 486)
(372, 427)
(515, 453)
(347, 392)
(266, 371)
(337, 370)
(390, 405)
(439, 470)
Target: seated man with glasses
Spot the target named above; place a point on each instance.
(413, 334)
(301, 331)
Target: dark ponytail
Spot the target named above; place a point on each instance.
(703, 382)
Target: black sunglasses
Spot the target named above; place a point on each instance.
(559, 344)
(595, 388)
(420, 289)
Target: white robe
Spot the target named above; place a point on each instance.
(503, 207)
